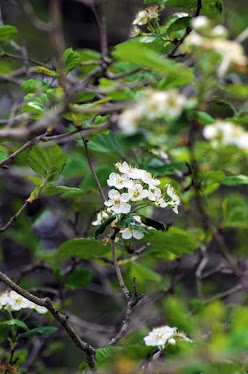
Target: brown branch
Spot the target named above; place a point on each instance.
(85, 141)
(187, 32)
(102, 29)
(14, 217)
(61, 318)
(223, 295)
(37, 22)
(30, 59)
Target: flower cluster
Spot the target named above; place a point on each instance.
(214, 38)
(12, 301)
(226, 133)
(159, 336)
(132, 189)
(155, 104)
(131, 185)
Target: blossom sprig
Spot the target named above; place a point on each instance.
(208, 38)
(155, 104)
(226, 133)
(13, 302)
(145, 16)
(132, 189)
(132, 185)
(160, 336)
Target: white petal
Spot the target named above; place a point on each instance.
(126, 234)
(137, 234)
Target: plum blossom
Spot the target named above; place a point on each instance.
(118, 202)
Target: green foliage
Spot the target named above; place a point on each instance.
(100, 230)
(79, 278)
(71, 59)
(85, 248)
(47, 162)
(34, 85)
(164, 246)
(39, 331)
(143, 56)
(7, 32)
(15, 322)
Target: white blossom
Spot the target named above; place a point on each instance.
(119, 181)
(155, 194)
(141, 18)
(158, 336)
(137, 192)
(14, 302)
(170, 103)
(17, 302)
(148, 179)
(175, 200)
(219, 31)
(227, 133)
(200, 23)
(101, 216)
(130, 232)
(118, 202)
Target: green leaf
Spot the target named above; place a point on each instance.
(102, 173)
(71, 59)
(143, 56)
(105, 143)
(204, 118)
(208, 6)
(53, 189)
(235, 180)
(85, 248)
(179, 24)
(34, 85)
(174, 242)
(39, 331)
(15, 322)
(100, 230)
(235, 211)
(144, 276)
(7, 32)
(3, 153)
(79, 278)
(47, 162)
(153, 223)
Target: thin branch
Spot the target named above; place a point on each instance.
(37, 22)
(14, 217)
(123, 287)
(102, 29)
(85, 141)
(30, 59)
(223, 295)
(187, 32)
(61, 318)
